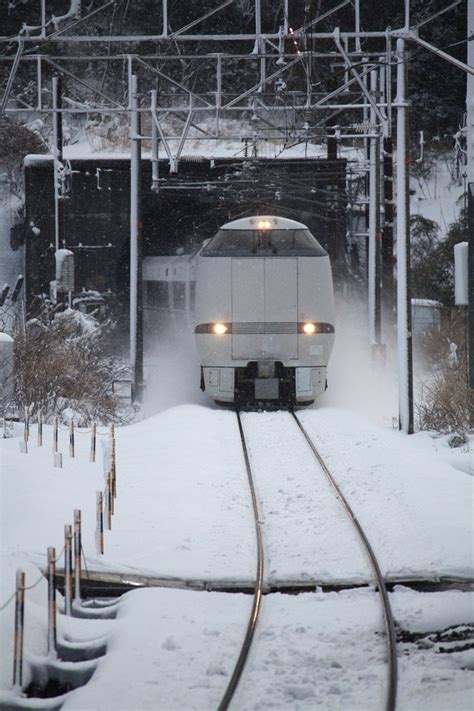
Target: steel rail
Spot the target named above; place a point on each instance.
(391, 698)
(258, 589)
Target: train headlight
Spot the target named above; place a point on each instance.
(264, 225)
(219, 328)
(309, 328)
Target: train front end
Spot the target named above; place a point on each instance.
(264, 319)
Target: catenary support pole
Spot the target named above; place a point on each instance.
(136, 316)
(374, 223)
(405, 362)
(470, 197)
(388, 292)
(57, 162)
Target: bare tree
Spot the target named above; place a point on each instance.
(61, 362)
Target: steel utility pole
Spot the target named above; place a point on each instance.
(470, 172)
(374, 227)
(57, 161)
(405, 358)
(136, 311)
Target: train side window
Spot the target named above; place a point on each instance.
(179, 295)
(157, 294)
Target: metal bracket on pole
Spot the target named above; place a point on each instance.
(154, 116)
(357, 77)
(412, 36)
(186, 128)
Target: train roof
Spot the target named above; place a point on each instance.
(251, 223)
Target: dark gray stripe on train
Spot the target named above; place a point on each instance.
(265, 327)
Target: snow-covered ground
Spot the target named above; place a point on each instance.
(183, 512)
(319, 650)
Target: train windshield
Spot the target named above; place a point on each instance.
(263, 243)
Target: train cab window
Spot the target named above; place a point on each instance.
(179, 295)
(263, 243)
(157, 294)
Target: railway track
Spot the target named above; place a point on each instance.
(259, 582)
(390, 632)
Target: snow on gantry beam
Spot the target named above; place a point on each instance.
(193, 38)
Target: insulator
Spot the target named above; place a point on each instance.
(363, 127)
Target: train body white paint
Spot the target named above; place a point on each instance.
(259, 296)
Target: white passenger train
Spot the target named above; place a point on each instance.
(259, 296)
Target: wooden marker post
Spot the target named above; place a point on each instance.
(26, 433)
(71, 439)
(18, 633)
(40, 428)
(110, 501)
(93, 443)
(55, 435)
(51, 601)
(77, 555)
(68, 569)
(113, 470)
(100, 523)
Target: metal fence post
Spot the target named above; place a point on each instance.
(26, 434)
(71, 439)
(51, 600)
(113, 466)
(77, 555)
(110, 501)
(93, 442)
(18, 633)
(55, 435)
(40, 428)
(100, 523)
(68, 569)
